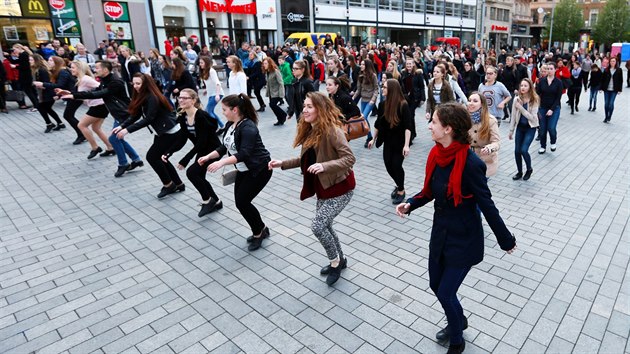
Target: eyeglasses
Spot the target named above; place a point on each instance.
(295, 68)
(184, 98)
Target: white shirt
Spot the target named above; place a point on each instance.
(238, 83)
(212, 82)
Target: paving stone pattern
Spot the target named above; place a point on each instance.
(92, 263)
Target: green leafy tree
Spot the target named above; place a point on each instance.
(567, 22)
(613, 25)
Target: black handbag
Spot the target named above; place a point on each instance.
(15, 96)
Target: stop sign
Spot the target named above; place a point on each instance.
(112, 9)
(58, 4)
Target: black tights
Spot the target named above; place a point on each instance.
(246, 188)
(394, 159)
(165, 170)
(45, 109)
(197, 176)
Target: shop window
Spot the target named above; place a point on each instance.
(174, 27)
(24, 31)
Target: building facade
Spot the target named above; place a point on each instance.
(496, 23)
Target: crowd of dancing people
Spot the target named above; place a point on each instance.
(466, 93)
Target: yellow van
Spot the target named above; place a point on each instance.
(308, 39)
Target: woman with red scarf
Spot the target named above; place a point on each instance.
(456, 180)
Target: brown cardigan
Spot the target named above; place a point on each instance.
(335, 155)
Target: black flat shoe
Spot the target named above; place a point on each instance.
(180, 188)
(121, 171)
(135, 164)
(59, 127)
(528, 174)
(334, 275)
(398, 198)
(256, 243)
(517, 176)
(444, 334)
(265, 233)
(108, 153)
(456, 348)
(261, 109)
(210, 207)
(393, 193)
(166, 190)
(93, 153)
(326, 269)
(78, 140)
(49, 128)
(278, 123)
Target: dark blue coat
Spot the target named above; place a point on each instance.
(65, 81)
(457, 235)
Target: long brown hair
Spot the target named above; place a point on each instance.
(205, 72)
(368, 76)
(533, 96)
(60, 64)
(309, 135)
(179, 69)
(39, 63)
(271, 65)
(244, 104)
(394, 102)
(148, 88)
(484, 130)
(302, 64)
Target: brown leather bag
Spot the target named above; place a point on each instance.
(355, 127)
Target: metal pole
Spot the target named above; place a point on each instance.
(553, 8)
(483, 18)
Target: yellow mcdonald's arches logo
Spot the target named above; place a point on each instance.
(35, 6)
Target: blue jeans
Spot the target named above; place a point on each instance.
(592, 100)
(445, 281)
(548, 124)
(366, 108)
(212, 103)
(523, 138)
(609, 103)
(122, 147)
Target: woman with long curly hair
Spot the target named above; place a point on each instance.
(40, 72)
(484, 133)
(326, 162)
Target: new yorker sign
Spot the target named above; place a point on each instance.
(228, 6)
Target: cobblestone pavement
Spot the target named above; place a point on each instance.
(93, 263)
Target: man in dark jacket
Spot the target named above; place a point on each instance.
(113, 91)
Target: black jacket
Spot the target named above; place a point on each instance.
(256, 76)
(415, 94)
(48, 94)
(355, 76)
(185, 81)
(471, 80)
(457, 235)
(550, 95)
(65, 81)
(617, 80)
(160, 118)
(393, 137)
(113, 91)
(249, 146)
(226, 52)
(577, 82)
(596, 79)
(134, 68)
(300, 88)
(24, 68)
(346, 105)
(205, 139)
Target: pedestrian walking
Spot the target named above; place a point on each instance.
(455, 179)
(549, 90)
(523, 127)
(236, 78)
(367, 91)
(326, 162)
(439, 91)
(148, 107)
(275, 89)
(574, 91)
(212, 87)
(255, 79)
(484, 133)
(612, 82)
(20, 59)
(594, 84)
(412, 85)
(246, 151)
(497, 95)
(338, 90)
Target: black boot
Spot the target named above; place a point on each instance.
(326, 269)
(444, 334)
(456, 348)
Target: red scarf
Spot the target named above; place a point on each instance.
(443, 157)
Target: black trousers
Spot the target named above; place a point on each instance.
(281, 115)
(69, 115)
(197, 176)
(246, 188)
(3, 96)
(393, 158)
(574, 96)
(261, 103)
(165, 170)
(30, 92)
(45, 109)
(412, 108)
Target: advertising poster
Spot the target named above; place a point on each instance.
(11, 33)
(67, 28)
(118, 30)
(62, 9)
(41, 33)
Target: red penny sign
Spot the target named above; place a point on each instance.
(58, 4)
(112, 9)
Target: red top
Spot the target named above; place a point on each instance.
(312, 186)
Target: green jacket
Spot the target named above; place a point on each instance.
(287, 74)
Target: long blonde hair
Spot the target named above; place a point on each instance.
(309, 135)
(84, 70)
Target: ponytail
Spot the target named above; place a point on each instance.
(244, 104)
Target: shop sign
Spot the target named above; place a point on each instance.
(67, 28)
(194, 38)
(113, 9)
(267, 15)
(62, 8)
(211, 6)
(34, 8)
(498, 28)
(293, 17)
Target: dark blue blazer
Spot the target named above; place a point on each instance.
(457, 236)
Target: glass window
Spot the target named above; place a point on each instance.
(431, 7)
(17, 30)
(419, 6)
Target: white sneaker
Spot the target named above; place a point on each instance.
(542, 150)
(552, 147)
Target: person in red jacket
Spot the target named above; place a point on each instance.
(13, 77)
(319, 71)
(562, 73)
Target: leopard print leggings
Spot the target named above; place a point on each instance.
(325, 213)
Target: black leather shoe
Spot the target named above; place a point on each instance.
(49, 128)
(135, 164)
(108, 153)
(334, 275)
(278, 123)
(444, 334)
(528, 174)
(393, 193)
(576, 109)
(326, 269)
(167, 190)
(93, 153)
(517, 176)
(398, 198)
(256, 243)
(59, 127)
(265, 233)
(121, 171)
(261, 109)
(180, 188)
(456, 348)
(210, 207)
(78, 140)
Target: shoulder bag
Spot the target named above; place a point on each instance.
(355, 127)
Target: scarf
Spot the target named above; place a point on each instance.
(476, 116)
(576, 72)
(443, 157)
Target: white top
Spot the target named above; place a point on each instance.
(611, 83)
(238, 83)
(228, 142)
(88, 83)
(212, 82)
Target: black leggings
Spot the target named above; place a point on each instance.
(394, 159)
(246, 188)
(197, 176)
(45, 108)
(165, 170)
(259, 96)
(68, 114)
(281, 115)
